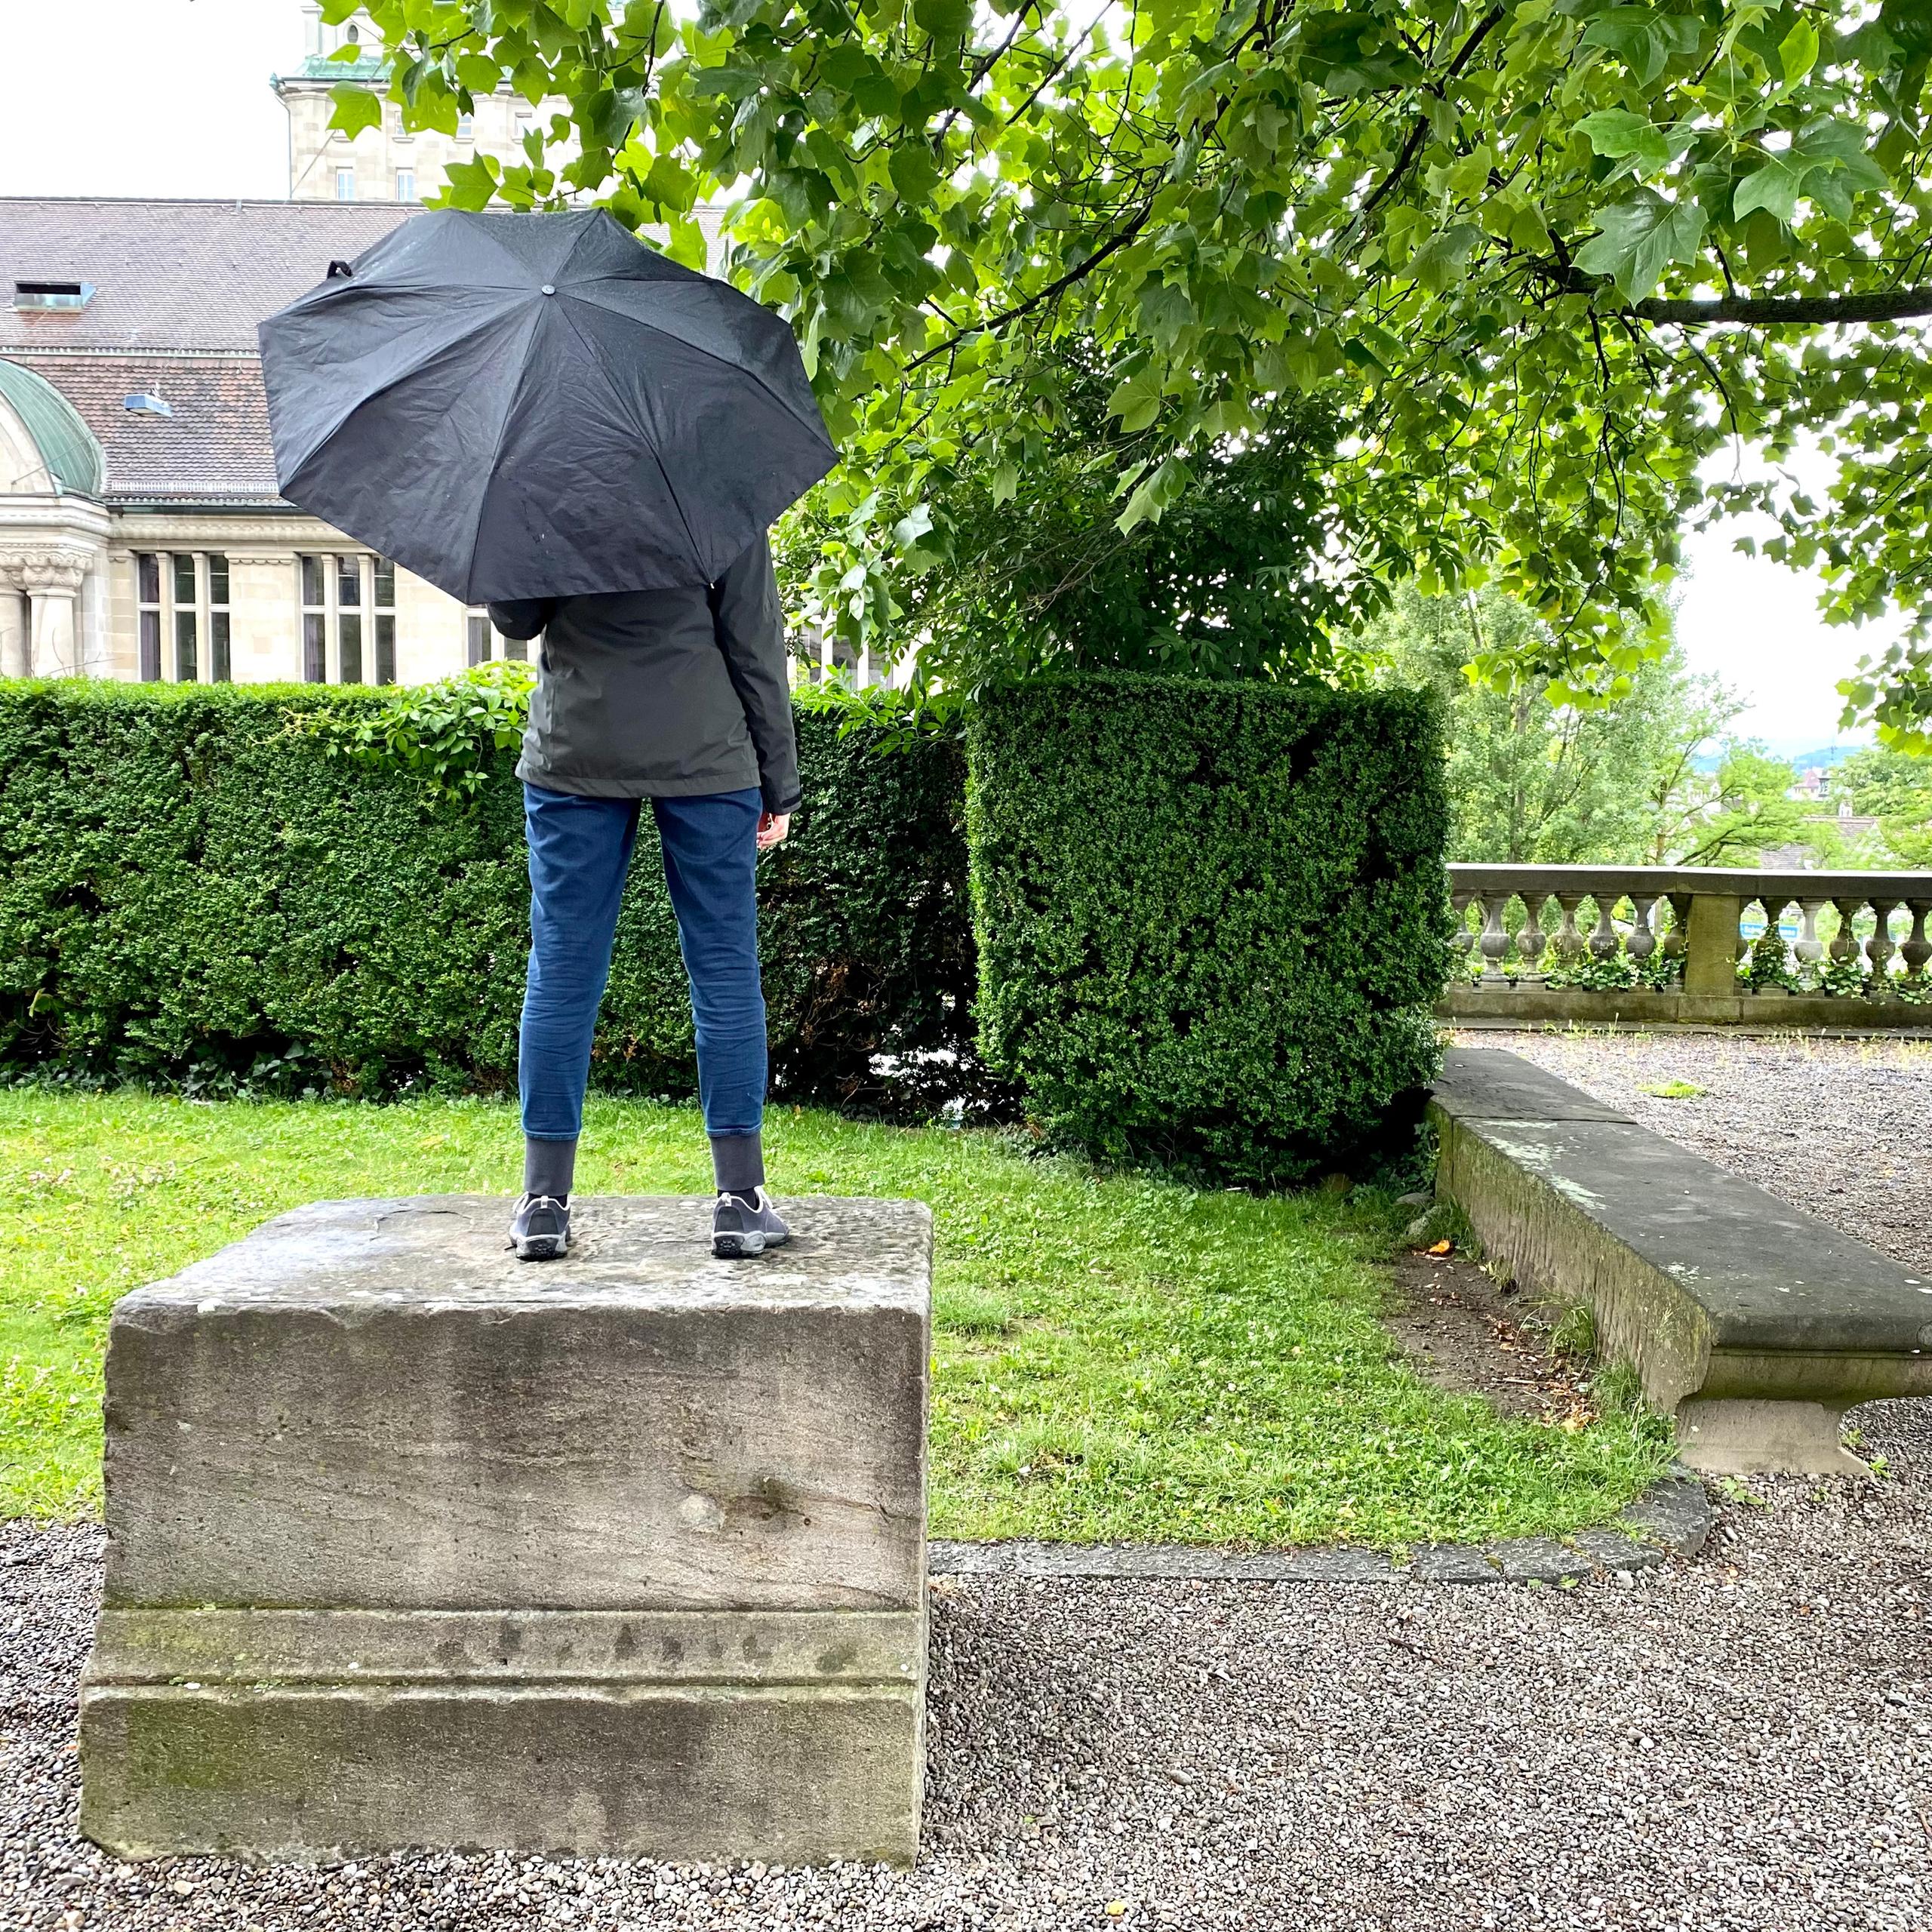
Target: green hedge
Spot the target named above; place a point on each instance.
(1212, 918)
(191, 887)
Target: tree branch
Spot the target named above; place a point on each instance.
(1059, 284)
(1883, 305)
(1390, 182)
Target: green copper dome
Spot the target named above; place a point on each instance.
(66, 444)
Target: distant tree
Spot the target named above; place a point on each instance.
(1537, 783)
(1896, 789)
(1751, 811)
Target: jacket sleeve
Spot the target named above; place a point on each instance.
(751, 633)
(523, 619)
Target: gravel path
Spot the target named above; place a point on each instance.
(1742, 1741)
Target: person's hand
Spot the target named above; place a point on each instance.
(772, 827)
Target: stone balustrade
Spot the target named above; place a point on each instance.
(1667, 942)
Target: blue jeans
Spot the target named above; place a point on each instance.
(579, 850)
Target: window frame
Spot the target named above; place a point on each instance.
(149, 610)
(344, 181)
(370, 608)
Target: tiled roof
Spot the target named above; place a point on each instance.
(173, 275)
(214, 446)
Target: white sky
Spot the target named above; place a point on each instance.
(170, 97)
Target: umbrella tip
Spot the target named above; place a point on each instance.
(549, 290)
(339, 272)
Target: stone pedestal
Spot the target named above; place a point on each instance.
(413, 1544)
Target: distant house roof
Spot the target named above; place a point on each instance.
(67, 447)
(173, 275)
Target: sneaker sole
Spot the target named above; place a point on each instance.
(541, 1247)
(738, 1246)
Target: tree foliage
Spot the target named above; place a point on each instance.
(1040, 576)
(1631, 781)
(1540, 259)
(1896, 789)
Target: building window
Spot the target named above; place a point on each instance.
(465, 126)
(52, 294)
(147, 588)
(347, 620)
(186, 611)
(405, 184)
(220, 669)
(487, 642)
(345, 184)
(381, 611)
(314, 622)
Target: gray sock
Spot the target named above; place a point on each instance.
(548, 1167)
(738, 1161)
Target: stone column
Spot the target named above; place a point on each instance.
(52, 579)
(13, 658)
(1710, 965)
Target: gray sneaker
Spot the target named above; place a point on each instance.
(541, 1230)
(742, 1225)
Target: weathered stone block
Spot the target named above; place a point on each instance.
(413, 1543)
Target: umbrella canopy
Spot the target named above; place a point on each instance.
(538, 405)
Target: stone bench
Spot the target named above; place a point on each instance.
(412, 1544)
(1754, 1324)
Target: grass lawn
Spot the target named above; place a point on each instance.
(1117, 1357)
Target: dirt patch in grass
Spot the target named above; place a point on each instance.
(1468, 1334)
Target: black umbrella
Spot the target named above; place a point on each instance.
(527, 405)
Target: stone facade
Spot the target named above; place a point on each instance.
(385, 163)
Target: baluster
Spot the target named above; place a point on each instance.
(1495, 940)
(1774, 911)
(1917, 948)
(1603, 934)
(1569, 941)
(1880, 947)
(1809, 947)
(1462, 939)
(1679, 937)
(1529, 941)
(1844, 948)
(1642, 941)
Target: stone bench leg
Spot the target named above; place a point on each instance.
(1735, 1437)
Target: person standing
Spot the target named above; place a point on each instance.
(679, 697)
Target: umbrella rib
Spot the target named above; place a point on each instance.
(643, 435)
(698, 348)
(497, 449)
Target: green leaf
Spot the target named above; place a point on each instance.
(944, 20)
(1645, 38)
(1775, 187)
(1641, 238)
(1136, 401)
(1616, 132)
(1797, 52)
(355, 109)
(1441, 259)
(915, 173)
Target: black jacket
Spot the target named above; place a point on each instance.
(662, 693)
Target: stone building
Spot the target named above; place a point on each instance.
(141, 535)
(385, 163)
